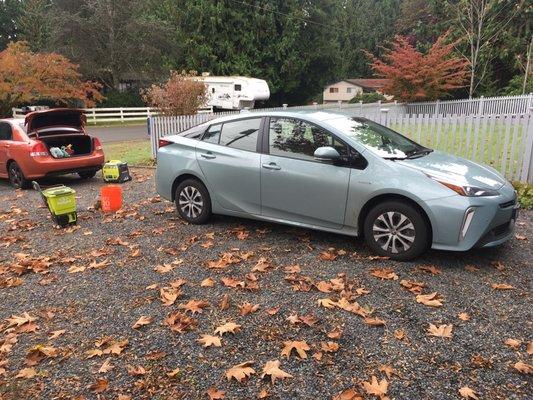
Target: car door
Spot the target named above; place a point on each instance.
(294, 185)
(228, 158)
(6, 140)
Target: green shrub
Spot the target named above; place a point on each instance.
(129, 98)
(373, 97)
(525, 195)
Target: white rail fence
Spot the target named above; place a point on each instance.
(122, 114)
(504, 142)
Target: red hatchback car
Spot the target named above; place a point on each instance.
(47, 143)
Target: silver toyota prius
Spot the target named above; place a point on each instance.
(336, 173)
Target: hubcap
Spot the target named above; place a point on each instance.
(394, 232)
(191, 202)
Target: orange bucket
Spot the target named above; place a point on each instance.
(111, 198)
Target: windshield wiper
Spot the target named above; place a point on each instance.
(395, 158)
(418, 153)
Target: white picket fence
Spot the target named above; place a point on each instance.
(504, 142)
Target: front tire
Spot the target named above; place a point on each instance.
(193, 202)
(396, 230)
(16, 176)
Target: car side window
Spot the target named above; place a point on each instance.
(6, 132)
(212, 135)
(241, 134)
(193, 133)
(295, 138)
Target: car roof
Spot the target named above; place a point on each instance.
(311, 115)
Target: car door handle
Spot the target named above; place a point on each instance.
(271, 166)
(208, 156)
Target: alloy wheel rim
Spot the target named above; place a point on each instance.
(394, 232)
(191, 202)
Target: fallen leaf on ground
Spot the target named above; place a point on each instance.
(348, 394)
(208, 282)
(501, 286)
(142, 321)
(99, 386)
(56, 334)
(248, 308)
(136, 370)
(300, 346)
(329, 347)
(376, 388)
(468, 393)
(384, 273)
(374, 321)
(515, 344)
(440, 331)
(26, 373)
(228, 327)
(208, 340)
(106, 366)
(523, 367)
(194, 306)
(464, 316)
(273, 370)
(240, 372)
(215, 394)
(173, 373)
(431, 300)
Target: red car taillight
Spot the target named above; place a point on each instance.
(39, 150)
(97, 145)
(163, 143)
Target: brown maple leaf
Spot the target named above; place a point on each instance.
(348, 394)
(376, 388)
(440, 331)
(248, 308)
(300, 346)
(329, 347)
(501, 286)
(26, 373)
(106, 366)
(194, 306)
(228, 327)
(180, 322)
(142, 321)
(431, 300)
(215, 394)
(523, 367)
(99, 386)
(273, 370)
(208, 340)
(468, 393)
(169, 295)
(384, 273)
(240, 372)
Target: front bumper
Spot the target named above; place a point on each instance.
(492, 222)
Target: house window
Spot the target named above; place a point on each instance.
(334, 90)
(212, 90)
(238, 88)
(349, 90)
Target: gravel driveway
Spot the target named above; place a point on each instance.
(69, 299)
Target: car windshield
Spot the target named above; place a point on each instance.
(381, 140)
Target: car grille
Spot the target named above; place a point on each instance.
(500, 229)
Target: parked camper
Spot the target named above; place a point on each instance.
(234, 92)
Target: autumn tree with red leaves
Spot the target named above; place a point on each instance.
(182, 94)
(414, 76)
(26, 77)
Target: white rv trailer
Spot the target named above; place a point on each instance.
(234, 92)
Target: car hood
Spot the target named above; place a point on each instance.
(457, 169)
(59, 117)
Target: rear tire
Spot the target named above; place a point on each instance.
(193, 201)
(396, 230)
(16, 176)
(87, 174)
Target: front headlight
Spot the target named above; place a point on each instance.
(465, 190)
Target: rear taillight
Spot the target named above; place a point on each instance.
(39, 150)
(163, 143)
(97, 145)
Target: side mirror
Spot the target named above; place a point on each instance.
(326, 153)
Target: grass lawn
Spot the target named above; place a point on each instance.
(135, 152)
